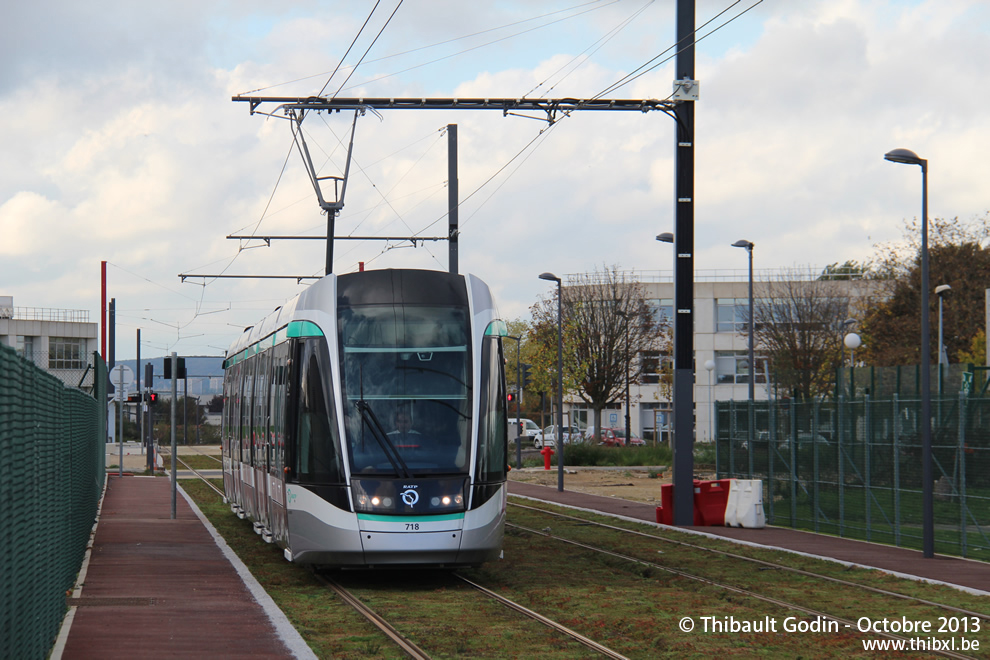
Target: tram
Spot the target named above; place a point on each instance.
(365, 422)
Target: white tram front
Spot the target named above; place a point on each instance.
(365, 424)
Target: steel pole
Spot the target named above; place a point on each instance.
(628, 423)
(928, 519)
(560, 388)
(683, 394)
(175, 382)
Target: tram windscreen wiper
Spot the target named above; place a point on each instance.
(391, 453)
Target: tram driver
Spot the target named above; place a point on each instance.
(404, 436)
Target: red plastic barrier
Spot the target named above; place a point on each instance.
(710, 499)
(665, 512)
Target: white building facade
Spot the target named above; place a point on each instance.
(721, 313)
(60, 341)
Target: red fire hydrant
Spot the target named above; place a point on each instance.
(547, 453)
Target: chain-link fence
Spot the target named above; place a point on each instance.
(52, 473)
(68, 362)
(853, 467)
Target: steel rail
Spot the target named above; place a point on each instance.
(576, 636)
(770, 564)
(849, 623)
(400, 640)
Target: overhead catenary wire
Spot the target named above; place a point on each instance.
(348, 51)
(370, 46)
(448, 41)
(638, 72)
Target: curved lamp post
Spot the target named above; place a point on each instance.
(748, 246)
(908, 157)
(560, 382)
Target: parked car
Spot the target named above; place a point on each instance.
(617, 438)
(548, 436)
(529, 429)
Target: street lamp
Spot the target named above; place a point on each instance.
(852, 342)
(625, 317)
(908, 157)
(748, 246)
(560, 381)
(665, 237)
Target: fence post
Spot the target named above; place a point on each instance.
(961, 480)
(792, 446)
(751, 424)
(897, 469)
(733, 427)
(771, 451)
(716, 438)
(814, 461)
(841, 465)
(867, 450)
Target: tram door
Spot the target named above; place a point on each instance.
(262, 428)
(276, 446)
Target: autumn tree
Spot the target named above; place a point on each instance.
(599, 309)
(799, 327)
(958, 256)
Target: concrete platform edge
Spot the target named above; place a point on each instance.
(906, 576)
(283, 627)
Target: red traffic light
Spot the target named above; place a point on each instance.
(152, 397)
(510, 397)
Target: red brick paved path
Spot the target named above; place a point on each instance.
(162, 588)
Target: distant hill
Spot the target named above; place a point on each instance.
(204, 373)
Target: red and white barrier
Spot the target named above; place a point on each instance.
(730, 502)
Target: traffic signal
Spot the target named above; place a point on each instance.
(510, 397)
(152, 397)
(526, 374)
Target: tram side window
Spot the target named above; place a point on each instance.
(278, 391)
(247, 398)
(493, 429)
(229, 404)
(318, 447)
(261, 426)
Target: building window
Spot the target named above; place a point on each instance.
(732, 367)
(25, 347)
(731, 314)
(663, 310)
(66, 353)
(652, 365)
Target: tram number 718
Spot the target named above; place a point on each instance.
(412, 527)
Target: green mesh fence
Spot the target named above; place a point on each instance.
(51, 478)
(853, 467)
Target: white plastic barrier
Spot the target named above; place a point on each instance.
(744, 507)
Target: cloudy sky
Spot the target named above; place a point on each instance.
(119, 142)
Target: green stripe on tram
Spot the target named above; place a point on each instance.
(304, 329)
(410, 519)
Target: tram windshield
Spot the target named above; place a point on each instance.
(406, 382)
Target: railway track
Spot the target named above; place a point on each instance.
(761, 563)
(409, 646)
(401, 598)
(786, 604)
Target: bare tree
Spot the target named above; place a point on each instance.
(600, 310)
(799, 327)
